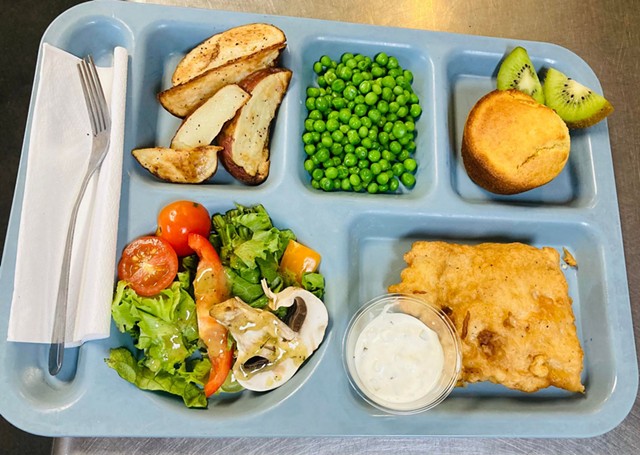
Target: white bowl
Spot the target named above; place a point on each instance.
(433, 318)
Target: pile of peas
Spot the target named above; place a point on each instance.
(360, 129)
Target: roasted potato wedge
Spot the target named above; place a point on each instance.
(183, 99)
(232, 44)
(203, 125)
(246, 138)
(179, 166)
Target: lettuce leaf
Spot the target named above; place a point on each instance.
(125, 364)
(165, 328)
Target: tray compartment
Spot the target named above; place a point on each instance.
(162, 45)
(415, 59)
(472, 74)
(379, 242)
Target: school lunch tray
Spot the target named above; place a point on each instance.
(361, 237)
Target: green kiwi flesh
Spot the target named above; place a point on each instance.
(517, 72)
(577, 105)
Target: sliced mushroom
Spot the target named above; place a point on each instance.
(269, 352)
(311, 329)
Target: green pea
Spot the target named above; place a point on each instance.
(326, 141)
(310, 149)
(375, 168)
(364, 87)
(345, 73)
(410, 164)
(343, 171)
(376, 88)
(410, 147)
(344, 129)
(321, 81)
(336, 149)
(315, 184)
(315, 115)
(405, 139)
(384, 164)
(317, 67)
(383, 137)
(383, 188)
(322, 154)
(319, 126)
(360, 110)
(413, 98)
(350, 160)
(395, 147)
(309, 165)
(349, 148)
(363, 164)
(388, 82)
(394, 184)
(367, 143)
(403, 155)
(317, 174)
(350, 92)
(387, 156)
(361, 153)
(310, 103)
(377, 71)
(338, 85)
(366, 175)
(344, 115)
(332, 124)
(336, 135)
(326, 184)
(408, 180)
(307, 138)
(326, 60)
(403, 112)
(345, 185)
(331, 173)
(382, 179)
(374, 156)
(313, 92)
(381, 59)
(308, 124)
(346, 56)
(398, 169)
(383, 106)
(415, 110)
(330, 76)
(359, 99)
(371, 98)
(399, 130)
(354, 179)
(372, 188)
(338, 103)
(388, 126)
(373, 134)
(366, 121)
(351, 63)
(353, 137)
(392, 117)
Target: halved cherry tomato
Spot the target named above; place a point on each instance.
(298, 259)
(179, 219)
(149, 264)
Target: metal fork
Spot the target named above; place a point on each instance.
(100, 126)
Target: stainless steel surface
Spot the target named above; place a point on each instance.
(98, 113)
(604, 33)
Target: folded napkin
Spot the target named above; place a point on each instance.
(59, 146)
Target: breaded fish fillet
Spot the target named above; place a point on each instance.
(510, 305)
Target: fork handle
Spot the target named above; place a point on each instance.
(56, 350)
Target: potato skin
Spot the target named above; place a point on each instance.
(245, 139)
(226, 46)
(179, 166)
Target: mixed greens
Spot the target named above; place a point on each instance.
(168, 354)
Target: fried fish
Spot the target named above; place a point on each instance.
(510, 306)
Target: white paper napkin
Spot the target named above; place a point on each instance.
(59, 146)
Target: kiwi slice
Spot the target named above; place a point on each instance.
(577, 105)
(517, 72)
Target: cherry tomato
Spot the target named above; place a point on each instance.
(179, 219)
(149, 264)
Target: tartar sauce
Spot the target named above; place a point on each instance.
(398, 358)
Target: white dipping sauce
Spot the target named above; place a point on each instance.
(398, 358)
